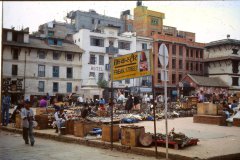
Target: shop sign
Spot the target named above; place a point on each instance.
(133, 65)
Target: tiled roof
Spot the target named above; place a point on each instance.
(41, 44)
(222, 42)
(208, 81)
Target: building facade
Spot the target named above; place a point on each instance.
(185, 55)
(99, 48)
(34, 66)
(223, 60)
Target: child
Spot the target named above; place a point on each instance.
(27, 123)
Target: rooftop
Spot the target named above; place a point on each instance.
(208, 81)
(223, 42)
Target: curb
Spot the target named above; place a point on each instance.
(121, 148)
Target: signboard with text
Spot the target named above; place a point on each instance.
(132, 65)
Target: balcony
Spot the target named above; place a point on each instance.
(111, 50)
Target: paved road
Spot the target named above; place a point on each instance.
(12, 147)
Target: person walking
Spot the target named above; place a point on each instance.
(27, 116)
(129, 104)
(6, 103)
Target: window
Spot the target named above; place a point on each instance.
(91, 74)
(180, 64)
(201, 53)
(14, 70)
(174, 49)
(69, 73)
(173, 78)
(197, 51)
(41, 86)
(92, 21)
(69, 87)
(173, 63)
(235, 64)
(180, 77)
(92, 59)
(191, 52)
(56, 55)
(191, 66)
(187, 66)
(144, 46)
(154, 21)
(124, 45)
(159, 64)
(69, 57)
(201, 67)
(180, 50)
(159, 77)
(196, 66)
(15, 53)
(187, 53)
(50, 33)
(41, 54)
(55, 86)
(97, 42)
(101, 60)
(55, 42)
(130, 28)
(235, 51)
(127, 81)
(55, 71)
(234, 81)
(99, 21)
(41, 70)
(100, 76)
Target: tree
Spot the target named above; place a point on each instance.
(102, 83)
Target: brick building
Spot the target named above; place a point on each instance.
(185, 55)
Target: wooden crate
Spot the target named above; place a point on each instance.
(207, 109)
(106, 133)
(82, 128)
(18, 121)
(42, 121)
(69, 127)
(130, 135)
(40, 111)
(236, 122)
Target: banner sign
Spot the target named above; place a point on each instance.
(132, 65)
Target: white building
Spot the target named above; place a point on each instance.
(99, 47)
(223, 60)
(36, 66)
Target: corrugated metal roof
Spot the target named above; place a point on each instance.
(41, 44)
(208, 81)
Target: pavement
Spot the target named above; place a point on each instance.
(216, 142)
(12, 147)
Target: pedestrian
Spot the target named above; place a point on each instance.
(6, 103)
(201, 97)
(129, 104)
(43, 102)
(136, 103)
(60, 118)
(27, 116)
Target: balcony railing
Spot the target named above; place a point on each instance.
(111, 50)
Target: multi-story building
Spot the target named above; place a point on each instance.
(185, 55)
(92, 20)
(222, 60)
(36, 66)
(99, 47)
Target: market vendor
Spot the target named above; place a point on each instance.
(60, 118)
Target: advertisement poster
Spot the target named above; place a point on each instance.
(133, 65)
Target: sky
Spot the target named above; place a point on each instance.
(210, 20)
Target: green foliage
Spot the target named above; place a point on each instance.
(102, 83)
